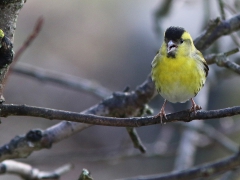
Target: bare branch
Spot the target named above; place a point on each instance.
(62, 79)
(29, 40)
(127, 104)
(28, 172)
(135, 139)
(217, 58)
(200, 40)
(8, 13)
(185, 116)
(221, 166)
(221, 7)
(222, 60)
(216, 29)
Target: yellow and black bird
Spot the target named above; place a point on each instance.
(179, 70)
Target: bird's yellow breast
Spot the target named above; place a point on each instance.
(178, 79)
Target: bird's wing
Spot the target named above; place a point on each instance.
(200, 58)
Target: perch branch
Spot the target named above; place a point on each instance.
(47, 113)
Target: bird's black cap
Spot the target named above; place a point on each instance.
(174, 33)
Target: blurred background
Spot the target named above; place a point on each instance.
(112, 43)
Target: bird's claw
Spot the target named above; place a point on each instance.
(162, 116)
(195, 107)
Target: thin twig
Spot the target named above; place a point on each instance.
(216, 135)
(62, 79)
(213, 58)
(29, 40)
(136, 139)
(230, 8)
(25, 45)
(221, 59)
(221, 7)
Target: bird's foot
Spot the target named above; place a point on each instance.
(162, 115)
(195, 107)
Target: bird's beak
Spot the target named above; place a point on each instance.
(171, 46)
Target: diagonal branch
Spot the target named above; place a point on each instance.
(215, 30)
(29, 40)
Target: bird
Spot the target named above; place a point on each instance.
(179, 70)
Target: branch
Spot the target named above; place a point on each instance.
(31, 37)
(215, 30)
(28, 172)
(127, 104)
(51, 114)
(76, 83)
(217, 58)
(136, 139)
(222, 60)
(202, 171)
(62, 79)
(8, 13)
(221, 7)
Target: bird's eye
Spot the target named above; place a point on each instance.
(181, 41)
